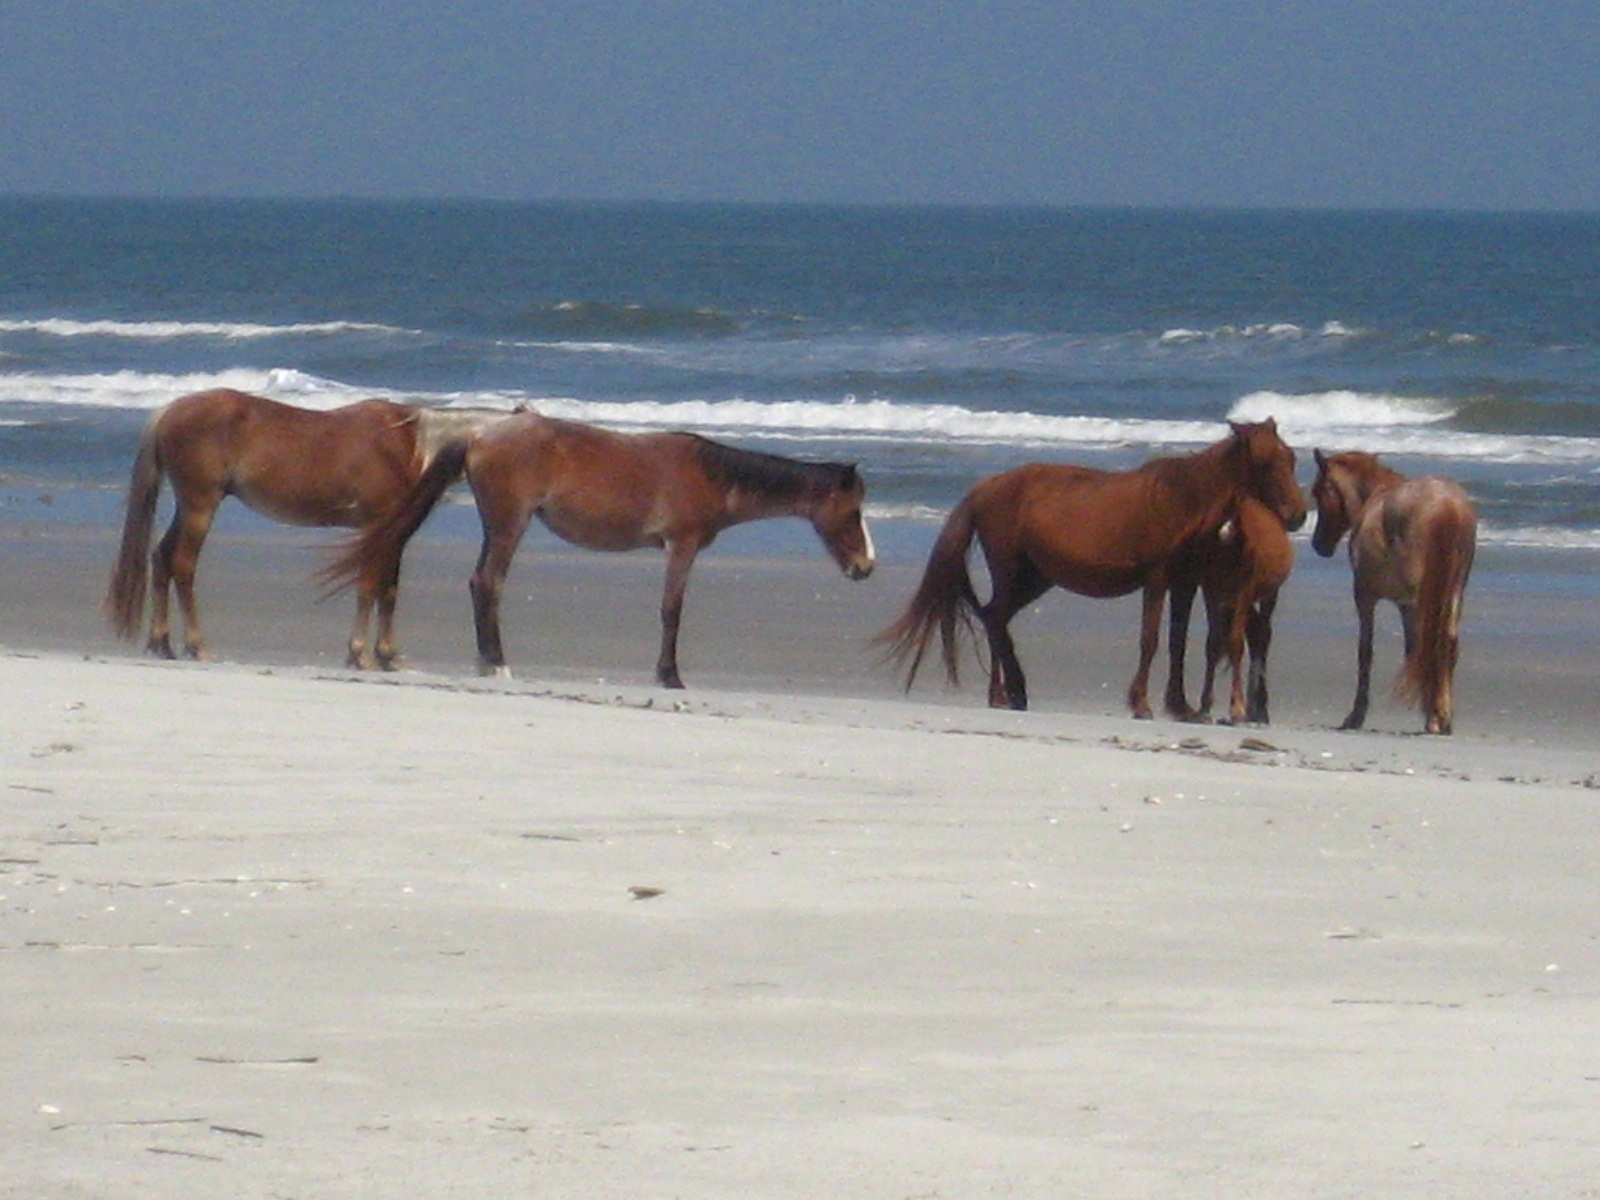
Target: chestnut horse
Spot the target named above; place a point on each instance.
(1239, 571)
(603, 490)
(1412, 541)
(1097, 533)
(347, 467)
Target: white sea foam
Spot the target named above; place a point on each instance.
(1341, 420)
(141, 390)
(1279, 331)
(1340, 410)
(169, 330)
(1539, 537)
(1407, 425)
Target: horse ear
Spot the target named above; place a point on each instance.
(1322, 459)
(852, 475)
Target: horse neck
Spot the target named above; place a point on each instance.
(1208, 487)
(1365, 484)
(762, 485)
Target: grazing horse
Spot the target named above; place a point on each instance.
(603, 490)
(1412, 541)
(346, 467)
(1239, 571)
(1097, 533)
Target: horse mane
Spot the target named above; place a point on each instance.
(768, 475)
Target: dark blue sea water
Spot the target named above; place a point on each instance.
(932, 345)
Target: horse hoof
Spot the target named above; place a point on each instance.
(492, 671)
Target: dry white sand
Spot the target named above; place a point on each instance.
(275, 931)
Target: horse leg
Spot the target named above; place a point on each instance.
(1177, 701)
(488, 581)
(160, 639)
(1365, 606)
(1238, 620)
(1258, 635)
(174, 563)
(1155, 595)
(1216, 644)
(680, 557)
(358, 656)
(1013, 591)
(385, 651)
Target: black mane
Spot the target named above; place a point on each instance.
(769, 474)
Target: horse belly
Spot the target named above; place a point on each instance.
(306, 506)
(1087, 577)
(611, 529)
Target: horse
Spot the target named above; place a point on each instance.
(345, 467)
(1239, 572)
(603, 490)
(1096, 533)
(1412, 541)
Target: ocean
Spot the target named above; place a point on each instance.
(932, 346)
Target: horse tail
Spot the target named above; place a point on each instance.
(130, 577)
(943, 600)
(384, 541)
(1445, 567)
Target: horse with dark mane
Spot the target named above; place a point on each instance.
(345, 467)
(1412, 541)
(1239, 571)
(1097, 533)
(603, 490)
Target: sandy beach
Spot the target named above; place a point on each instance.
(275, 929)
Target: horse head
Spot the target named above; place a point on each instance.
(839, 522)
(1342, 484)
(1269, 470)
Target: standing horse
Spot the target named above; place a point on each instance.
(612, 491)
(1412, 541)
(1097, 533)
(346, 467)
(1239, 571)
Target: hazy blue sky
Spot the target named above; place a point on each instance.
(1449, 104)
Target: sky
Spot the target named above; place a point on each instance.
(1454, 104)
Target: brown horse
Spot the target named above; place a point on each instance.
(612, 491)
(1097, 533)
(1239, 571)
(1412, 541)
(347, 467)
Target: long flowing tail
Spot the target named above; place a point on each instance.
(944, 600)
(1427, 669)
(130, 577)
(371, 553)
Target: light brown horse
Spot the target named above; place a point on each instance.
(603, 490)
(1412, 541)
(1239, 571)
(1097, 533)
(347, 467)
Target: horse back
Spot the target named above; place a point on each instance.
(593, 487)
(297, 465)
(1097, 532)
(1407, 526)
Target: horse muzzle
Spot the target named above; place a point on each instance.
(859, 569)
